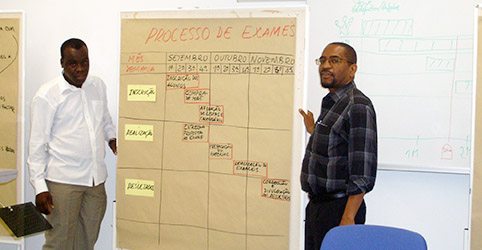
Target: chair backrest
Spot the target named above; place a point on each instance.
(370, 237)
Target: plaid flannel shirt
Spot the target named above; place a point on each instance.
(341, 154)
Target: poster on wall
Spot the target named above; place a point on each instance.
(11, 77)
(208, 133)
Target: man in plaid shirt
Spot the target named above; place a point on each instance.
(340, 161)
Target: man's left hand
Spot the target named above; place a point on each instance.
(113, 145)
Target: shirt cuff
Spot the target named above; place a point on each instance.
(110, 136)
(40, 186)
(360, 185)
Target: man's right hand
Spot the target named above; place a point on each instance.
(308, 119)
(44, 202)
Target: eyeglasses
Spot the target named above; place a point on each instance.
(332, 60)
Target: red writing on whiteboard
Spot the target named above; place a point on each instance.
(139, 58)
(184, 34)
(264, 32)
(176, 34)
(139, 69)
(224, 33)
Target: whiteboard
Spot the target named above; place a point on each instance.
(415, 63)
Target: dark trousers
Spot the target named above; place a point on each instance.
(321, 216)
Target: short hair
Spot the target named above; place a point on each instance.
(74, 43)
(350, 52)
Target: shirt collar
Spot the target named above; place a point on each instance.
(66, 86)
(340, 92)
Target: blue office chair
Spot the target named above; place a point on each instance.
(370, 237)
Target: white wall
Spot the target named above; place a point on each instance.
(435, 205)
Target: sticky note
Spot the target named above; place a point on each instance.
(137, 132)
(139, 187)
(141, 93)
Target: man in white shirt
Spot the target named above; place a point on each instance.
(69, 124)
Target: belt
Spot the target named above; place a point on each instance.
(328, 196)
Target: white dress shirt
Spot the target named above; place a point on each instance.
(68, 128)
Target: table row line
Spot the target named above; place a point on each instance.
(207, 68)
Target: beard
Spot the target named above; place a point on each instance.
(328, 85)
(327, 79)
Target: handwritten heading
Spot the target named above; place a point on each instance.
(184, 34)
